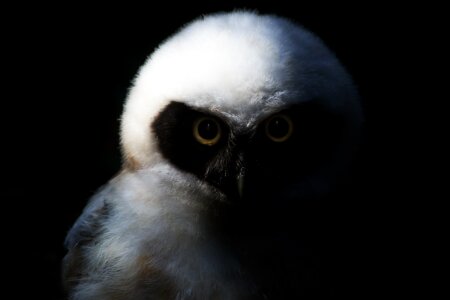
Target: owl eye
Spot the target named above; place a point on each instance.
(207, 131)
(279, 128)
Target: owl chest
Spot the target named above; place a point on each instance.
(188, 270)
(255, 271)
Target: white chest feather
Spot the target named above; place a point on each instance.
(156, 244)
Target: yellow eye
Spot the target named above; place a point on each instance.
(207, 131)
(279, 128)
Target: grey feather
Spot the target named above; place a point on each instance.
(82, 233)
(87, 224)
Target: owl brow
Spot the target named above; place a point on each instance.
(210, 112)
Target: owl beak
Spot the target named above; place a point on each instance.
(240, 184)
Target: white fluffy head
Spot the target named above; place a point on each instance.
(243, 66)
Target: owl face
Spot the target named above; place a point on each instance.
(249, 104)
(280, 148)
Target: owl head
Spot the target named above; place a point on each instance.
(250, 104)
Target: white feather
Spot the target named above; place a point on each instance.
(157, 222)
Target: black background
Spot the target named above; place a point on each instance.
(68, 70)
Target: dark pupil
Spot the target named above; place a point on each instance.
(208, 129)
(278, 127)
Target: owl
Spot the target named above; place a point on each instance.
(228, 127)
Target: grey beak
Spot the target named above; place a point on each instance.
(240, 184)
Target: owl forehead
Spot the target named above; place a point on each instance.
(219, 55)
(233, 63)
(241, 86)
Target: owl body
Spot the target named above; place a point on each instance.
(152, 242)
(230, 125)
